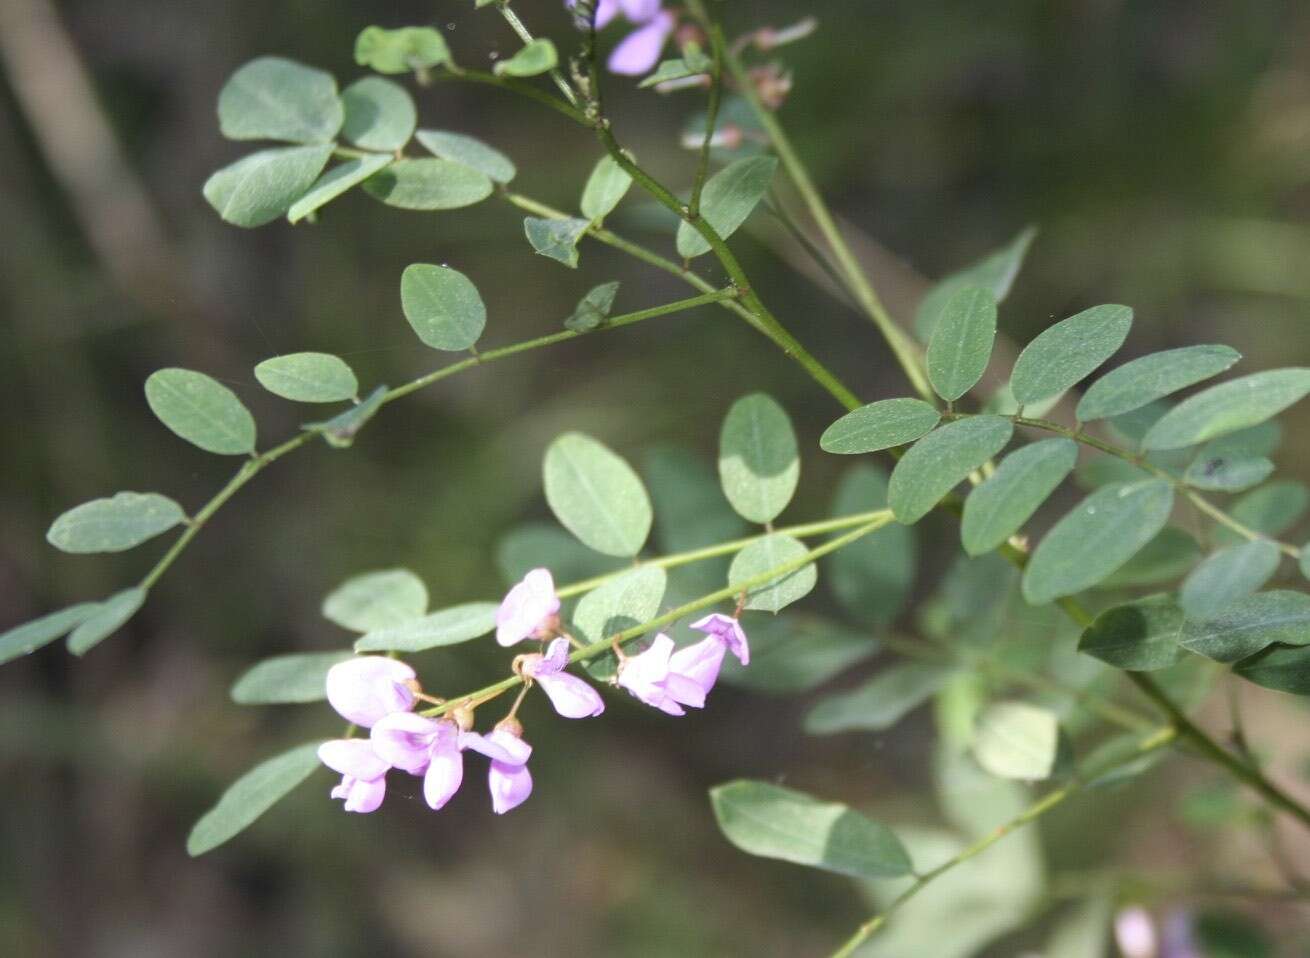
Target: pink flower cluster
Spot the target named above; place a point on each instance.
(378, 694)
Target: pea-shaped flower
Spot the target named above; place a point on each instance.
(571, 697)
(509, 779)
(365, 689)
(423, 746)
(529, 611)
(669, 679)
(363, 772)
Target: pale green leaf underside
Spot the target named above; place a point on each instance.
(533, 59)
(596, 495)
(880, 425)
(380, 115)
(457, 624)
(443, 306)
(287, 679)
(259, 188)
(271, 98)
(460, 148)
(759, 464)
(1143, 381)
(769, 553)
(105, 619)
(27, 638)
(377, 600)
(202, 411)
(1228, 407)
(251, 796)
(1017, 740)
(336, 181)
(941, 460)
(428, 184)
(402, 50)
(556, 239)
(115, 524)
(606, 186)
(308, 377)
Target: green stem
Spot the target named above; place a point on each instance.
(513, 85)
(608, 643)
(525, 35)
(1050, 800)
(257, 464)
(711, 119)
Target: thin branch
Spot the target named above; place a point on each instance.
(711, 116)
(525, 35)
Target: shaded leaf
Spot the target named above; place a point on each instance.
(1141, 636)
(259, 188)
(690, 511)
(443, 306)
(556, 239)
(880, 425)
(1250, 625)
(27, 638)
(727, 200)
(961, 342)
(428, 184)
(271, 98)
(544, 544)
(594, 308)
(871, 578)
(769, 553)
(1271, 509)
(1282, 668)
(759, 464)
(999, 507)
(308, 377)
(774, 822)
(596, 495)
(115, 524)
(1227, 575)
(1171, 554)
(605, 188)
(795, 652)
(995, 272)
(1064, 354)
(1228, 407)
(105, 619)
(340, 431)
(202, 411)
(470, 151)
(287, 679)
(251, 796)
(879, 703)
(377, 600)
(1142, 381)
(941, 460)
(451, 626)
(336, 181)
(379, 114)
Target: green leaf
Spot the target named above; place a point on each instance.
(1017, 740)
(1227, 575)
(690, 511)
(881, 702)
(308, 377)
(336, 181)
(1227, 473)
(451, 626)
(999, 507)
(1281, 668)
(759, 464)
(428, 184)
(1141, 636)
(880, 425)
(116, 524)
(380, 115)
(27, 638)
(606, 186)
(727, 200)
(556, 239)
(539, 544)
(1171, 554)
(1143, 381)
(594, 308)
(459, 148)
(596, 495)
(1067, 352)
(1096, 538)
(961, 342)
(377, 600)
(202, 411)
(795, 653)
(1228, 407)
(941, 460)
(443, 306)
(251, 796)
(400, 51)
(759, 558)
(340, 431)
(106, 619)
(1272, 509)
(533, 59)
(259, 188)
(1251, 625)
(275, 99)
(287, 679)
(620, 604)
(995, 272)
(872, 577)
(773, 822)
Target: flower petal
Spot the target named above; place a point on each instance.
(443, 778)
(640, 11)
(698, 664)
(405, 740)
(728, 629)
(572, 697)
(510, 786)
(354, 757)
(364, 689)
(527, 609)
(640, 49)
(366, 796)
(499, 746)
(681, 689)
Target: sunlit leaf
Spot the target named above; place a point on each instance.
(1228, 407)
(460, 148)
(287, 679)
(961, 342)
(429, 184)
(202, 411)
(380, 114)
(377, 600)
(879, 703)
(999, 507)
(1066, 353)
(105, 619)
(275, 99)
(457, 624)
(773, 822)
(769, 553)
(1142, 381)
(534, 58)
(443, 306)
(941, 460)
(259, 188)
(880, 425)
(620, 604)
(1017, 740)
(1250, 625)
(308, 377)
(605, 188)
(336, 181)
(400, 51)
(727, 200)
(251, 796)
(1140, 636)
(113, 525)
(596, 495)
(1227, 575)
(556, 239)
(759, 464)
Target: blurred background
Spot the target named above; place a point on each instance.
(1161, 147)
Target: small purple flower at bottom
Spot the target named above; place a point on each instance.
(423, 746)
(363, 772)
(509, 779)
(366, 688)
(529, 611)
(729, 631)
(572, 697)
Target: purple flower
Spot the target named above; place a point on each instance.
(729, 630)
(659, 678)
(509, 779)
(529, 611)
(639, 51)
(572, 697)
(365, 689)
(363, 772)
(423, 746)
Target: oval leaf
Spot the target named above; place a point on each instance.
(774, 822)
(764, 555)
(115, 524)
(1017, 740)
(1251, 625)
(459, 148)
(27, 638)
(1142, 381)
(429, 184)
(400, 51)
(1140, 636)
(606, 186)
(727, 200)
(1068, 351)
(1282, 668)
(995, 272)
(377, 600)
(620, 604)
(287, 679)
(880, 425)
(1096, 538)
(534, 58)
(1227, 575)
(259, 188)
(448, 627)
(941, 460)
(202, 411)
(276, 99)
(443, 306)
(308, 377)
(251, 796)
(961, 342)
(999, 507)
(596, 495)
(105, 620)
(759, 464)
(1228, 407)
(339, 179)
(881, 702)
(380, 115)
